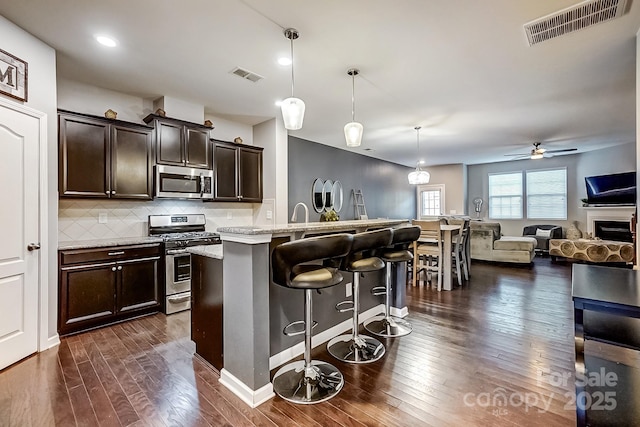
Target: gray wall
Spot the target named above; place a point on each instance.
(619, 158)
(386, 191)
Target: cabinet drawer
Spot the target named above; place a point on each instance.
(114, 253)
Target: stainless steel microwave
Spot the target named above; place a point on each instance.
(179, 182)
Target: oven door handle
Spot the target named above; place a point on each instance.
(176, 251)
(179, 299)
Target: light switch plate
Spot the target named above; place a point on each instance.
(102, 218)
(229, 215)
(348, 290)
(269, 214)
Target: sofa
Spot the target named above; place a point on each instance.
(543, 233)
(488, 244)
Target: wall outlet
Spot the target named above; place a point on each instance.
(348, 290)
(269, 214)
(102, 218)
(452, 212)
(229, 215)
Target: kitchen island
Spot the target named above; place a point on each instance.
(256, 310)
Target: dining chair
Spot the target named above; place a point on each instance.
(459, 255)
(427, 251)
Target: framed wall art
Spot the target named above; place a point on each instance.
(13, 76)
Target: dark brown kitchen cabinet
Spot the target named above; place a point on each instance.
(206, 309)
(238, 172)
(100, 286)
(181, 143)
(104, 158)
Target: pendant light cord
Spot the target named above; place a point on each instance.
(353, 97)
(291, 40)
(417, 128)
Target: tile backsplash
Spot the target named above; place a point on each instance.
(84, 219)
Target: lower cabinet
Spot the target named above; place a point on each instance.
(99, 286)
(206, 308)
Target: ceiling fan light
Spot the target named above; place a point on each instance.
(536, 156)
(353, 134)
(292, 113)
(419, 177)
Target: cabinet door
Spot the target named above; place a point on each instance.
(84, 159)
(169, 144)
(250, 177)
(197, 143)
(131, 163)
(226, 173)
(138, 284)
(206, 308)
(87, 296)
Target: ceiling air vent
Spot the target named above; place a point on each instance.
(573, 18)
(246, 74)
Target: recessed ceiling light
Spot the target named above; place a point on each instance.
(284, 61)
(106, 41)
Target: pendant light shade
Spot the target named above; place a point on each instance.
(292, 113)
(292, 108)
(353, 130)
(418, 176)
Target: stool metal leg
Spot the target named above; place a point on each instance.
(388, 325)
(356, 348)
(308, 381)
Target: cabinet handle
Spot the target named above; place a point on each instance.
(113, 191)
(113, 269)
(116, 253)
(119, 267)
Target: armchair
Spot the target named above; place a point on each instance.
(543, 233)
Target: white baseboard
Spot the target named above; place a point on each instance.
(399, 312)
(292, 352)
(52, 342)
(251, 397)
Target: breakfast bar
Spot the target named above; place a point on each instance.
(256, 310)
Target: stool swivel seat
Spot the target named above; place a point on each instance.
(308, 381)
(387, 325)
(356, 348)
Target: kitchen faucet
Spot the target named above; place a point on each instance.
(306, 212)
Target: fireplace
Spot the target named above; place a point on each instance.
(612, 221)
(619, 231)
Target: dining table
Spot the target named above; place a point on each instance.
(448, 233)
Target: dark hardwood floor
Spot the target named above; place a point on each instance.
(486, 354)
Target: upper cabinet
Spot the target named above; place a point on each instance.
(104, 158)
(238, 172)
(181, 143)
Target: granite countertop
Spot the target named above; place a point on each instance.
(312, 226)
(99, 243)
(210, 251)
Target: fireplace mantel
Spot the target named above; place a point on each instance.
(607, 213)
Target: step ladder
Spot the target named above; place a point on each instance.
(358, 203)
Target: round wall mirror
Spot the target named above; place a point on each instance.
(326, 190)
(317, 195)
(336, 196)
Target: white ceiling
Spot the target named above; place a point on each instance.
(462, 69)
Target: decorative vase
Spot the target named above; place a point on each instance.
(573, 233)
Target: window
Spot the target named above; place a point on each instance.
(505, 195)
(547, 194)
(430, 200)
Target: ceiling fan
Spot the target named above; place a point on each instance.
(538, 152)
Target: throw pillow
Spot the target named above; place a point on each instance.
(543, 233)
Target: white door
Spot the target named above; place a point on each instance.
(430, 200)
(19, 228)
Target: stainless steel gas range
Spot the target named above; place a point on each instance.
(180, 231)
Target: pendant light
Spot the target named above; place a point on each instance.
(292, 108)
(353, 130)
(418, 176)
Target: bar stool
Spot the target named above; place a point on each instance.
(356, 348)
(387, 325)
(308, 381)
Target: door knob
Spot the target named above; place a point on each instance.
(33, 247)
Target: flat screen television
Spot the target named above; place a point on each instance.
(614, 189)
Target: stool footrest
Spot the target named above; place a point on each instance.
(340, 306)
(289, 333)
(379, 290)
